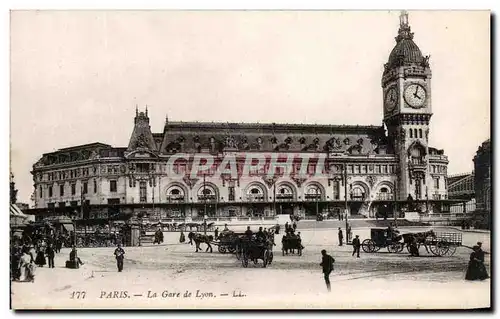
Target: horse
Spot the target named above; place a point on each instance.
(200, 238)
(416, 238)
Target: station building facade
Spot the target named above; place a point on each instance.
(365, 170)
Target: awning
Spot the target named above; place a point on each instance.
(59, 219)
(68, 227)
(15, 211)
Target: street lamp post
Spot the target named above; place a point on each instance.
(345, 201)
(205, 210)
(317, 208)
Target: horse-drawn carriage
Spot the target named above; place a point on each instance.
(439, 244)
(290, 243)
(228, 241)
(254, 249)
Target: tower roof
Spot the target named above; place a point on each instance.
(406, 51)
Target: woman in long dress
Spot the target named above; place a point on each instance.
(476, 269)
(27, 267)
(40, 257)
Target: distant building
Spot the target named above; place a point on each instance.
(461, 187)
(482, 183)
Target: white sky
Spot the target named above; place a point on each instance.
(77, 76)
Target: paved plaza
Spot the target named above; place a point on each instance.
(159, 277)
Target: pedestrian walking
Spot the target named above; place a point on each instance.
(119, 255)
(216, 233)
(327, 264)
(341, 237)
(356, 244)
(50, 255)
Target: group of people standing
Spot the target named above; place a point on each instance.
(28, 253)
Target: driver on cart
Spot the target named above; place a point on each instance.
(249, 233)
(260, 235)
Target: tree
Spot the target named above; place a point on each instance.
(13, 190)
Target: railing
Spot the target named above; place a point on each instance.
(385, 197)
(312, 197)
(358, 198)
(284, 197)
(206, 197)
(176, 198)
(255, 198)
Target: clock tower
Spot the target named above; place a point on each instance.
(406, 86)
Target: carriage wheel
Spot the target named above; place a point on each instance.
(222, 249)
(395, 247)
(441, 248)
(451, 251)
(231, 249)
(238, 252)
(368, 246)
(401, 246)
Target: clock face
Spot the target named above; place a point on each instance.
(391, 99)
(415, 95)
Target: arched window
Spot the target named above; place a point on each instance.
(415, 132)
(313, 192)
(420, 133)
(417, 153)
(284, 192)
(207, 192)
(358, 193)
(411, 133)
(175, 193)
(255, 193)
(385, 193)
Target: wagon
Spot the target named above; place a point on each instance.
(444, 244)
(228, 242)
(380, 239)
(290, 243)
(253, 250)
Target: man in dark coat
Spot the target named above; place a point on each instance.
(50, 255)
(216, 233)
(356, 244)
(119, 255)
(327, 264)
(341, 237)
(248, 232)
(260, 234)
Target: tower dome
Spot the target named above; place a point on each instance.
(406, 51)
